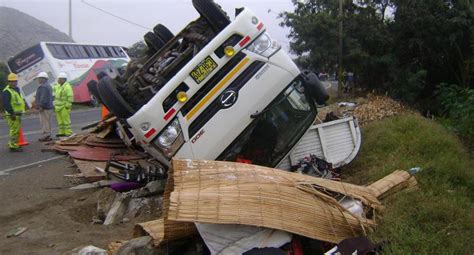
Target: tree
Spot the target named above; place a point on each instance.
(431, 36)
(406, 51)
(366, 41)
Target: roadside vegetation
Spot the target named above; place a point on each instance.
(438, 218)
(419, 52)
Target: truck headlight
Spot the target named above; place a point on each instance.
(264, 46)
(170, 139)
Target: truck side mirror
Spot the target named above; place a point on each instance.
(315, 87)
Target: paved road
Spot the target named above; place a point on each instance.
(31, 128)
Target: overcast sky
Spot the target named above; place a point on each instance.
(93, 26)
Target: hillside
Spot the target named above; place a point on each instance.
(19, 31)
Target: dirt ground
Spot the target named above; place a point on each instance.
(58, 219)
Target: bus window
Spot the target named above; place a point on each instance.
(58, 51)
(81, 51)
(119, 51)
(93, 52)
(108, 52)
(101, 51)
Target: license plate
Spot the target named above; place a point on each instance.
(203, 69)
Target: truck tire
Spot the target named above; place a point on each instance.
(316, 88)
(153, 42)
(94, 90)
(213, 13)
(163, 33)
(113, 100)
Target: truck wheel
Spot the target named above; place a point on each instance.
(113, 100)
(163, 33)
(94, 90)
(213, 13)
(153, 42)
(316, 88)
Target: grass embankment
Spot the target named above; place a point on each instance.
(439, 217)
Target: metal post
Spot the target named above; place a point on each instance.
(70, 18)
(340, 69)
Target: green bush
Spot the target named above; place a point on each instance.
(459, 108)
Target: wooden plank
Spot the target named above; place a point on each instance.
(88, 169)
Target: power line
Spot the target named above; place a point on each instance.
(113, 15)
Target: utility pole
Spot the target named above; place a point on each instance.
(70, 18)
(340, 69)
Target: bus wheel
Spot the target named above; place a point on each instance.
(213, 13)
(163, 33)
(153, 42)
(113, 100)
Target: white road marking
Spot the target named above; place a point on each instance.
(53, 129)
(5, 172)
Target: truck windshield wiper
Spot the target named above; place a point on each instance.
(258, 114)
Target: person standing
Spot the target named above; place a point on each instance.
(44, 104)
(63, 97)
(14, 106)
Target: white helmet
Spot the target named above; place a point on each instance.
(42, 75)
(62, 75)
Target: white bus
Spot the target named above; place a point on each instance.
(80, 62)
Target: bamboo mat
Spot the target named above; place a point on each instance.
(234, 193)
(393, 183)
(163, 230)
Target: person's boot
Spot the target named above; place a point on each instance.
(16, 149)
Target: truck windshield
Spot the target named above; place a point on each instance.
(274, 132)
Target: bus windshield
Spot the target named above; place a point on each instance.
(274, 132)
(26, 59)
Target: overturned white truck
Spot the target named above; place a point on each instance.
(219, 89)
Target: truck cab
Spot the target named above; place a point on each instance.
(219, 89)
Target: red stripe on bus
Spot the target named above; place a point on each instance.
(260, 26)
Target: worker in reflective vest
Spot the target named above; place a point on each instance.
(63, 97)
(14, 106)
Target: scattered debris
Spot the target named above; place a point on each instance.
(88, 250)
(415, 170)
(125, 186)
(114, 247)
(98, 184)
(16, 232)
(347, 104)
(152, 188)
(104, 154)
(117, 209)
(87, 169)
(374, 107)
(358, 245)
(377, 108)
(105, 199)
(164, 231)
(139, 245)
(237, 239)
